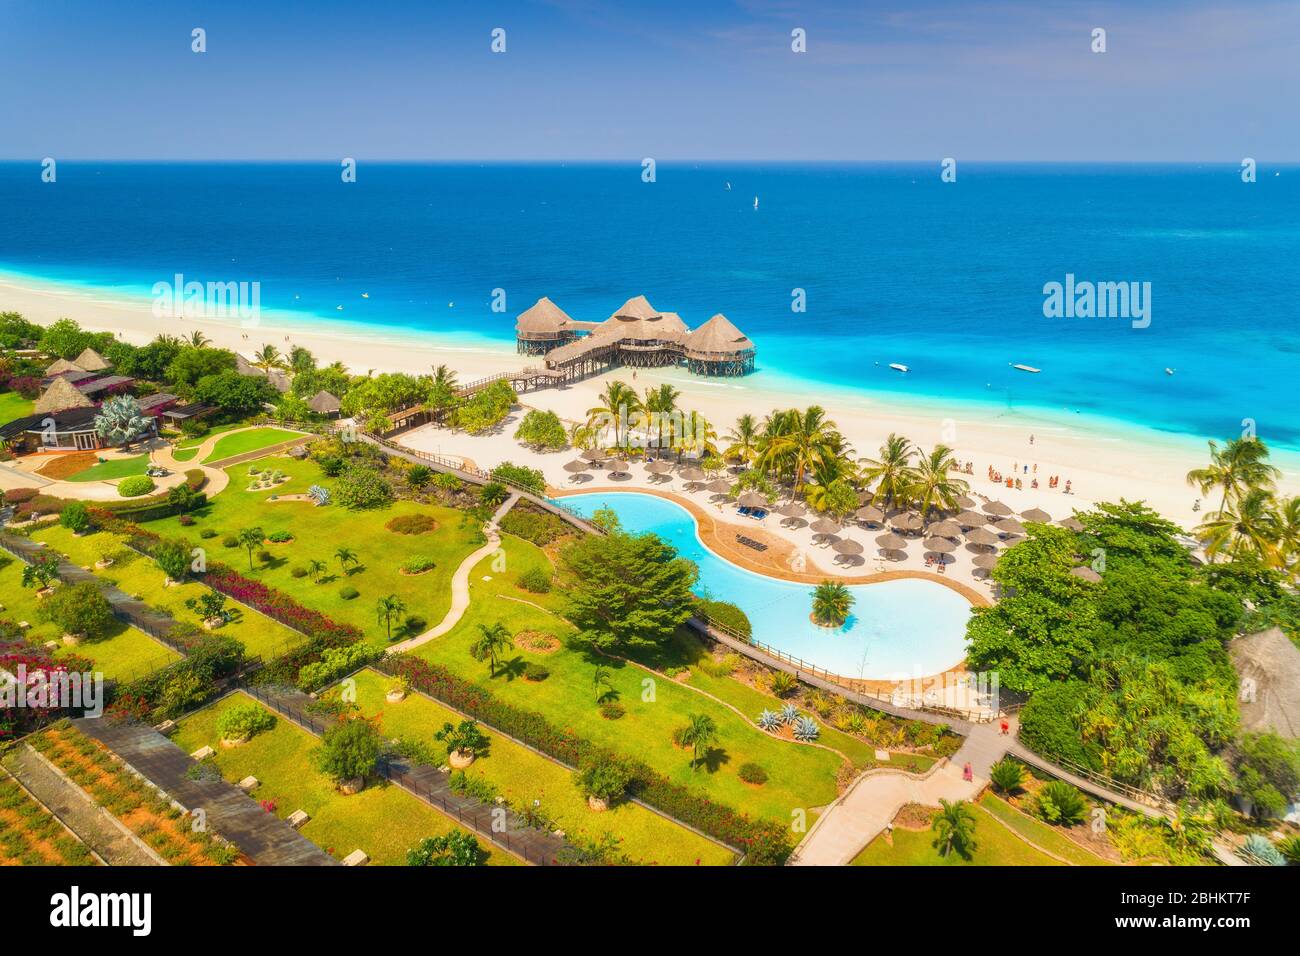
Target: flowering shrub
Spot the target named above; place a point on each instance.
(764, 842)
(279, 606)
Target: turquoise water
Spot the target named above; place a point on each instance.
(899, 629)
(896, 267)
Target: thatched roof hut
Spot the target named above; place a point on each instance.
(91, 361)
(60, 395)
(1269, 667)
(323, 403)
(59, 366)
(542, 320)
(719, 348)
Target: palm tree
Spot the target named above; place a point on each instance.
(387, 608)
(268, 358)
(1288, 535)
(698, 439)
(601, 683)
(1242, 464)
(1007, 775)
(171, 341)
(832, 602)
(892, 471)
(1248, 524)
(743, 439)
(933, 486)
(346, 557)
(301, 360)
(442, 389)
(619, 403)
(493, 640)
(802, 438)
(251, 538)
(954, 828)
(700, 731)
(661, 402)
(197, 340)
(316, 567)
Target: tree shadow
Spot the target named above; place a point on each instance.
(713, 759)
(511, 669)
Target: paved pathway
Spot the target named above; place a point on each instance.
(460, 583)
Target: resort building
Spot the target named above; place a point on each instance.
(325, 403)
(636, 335)
(71, 429)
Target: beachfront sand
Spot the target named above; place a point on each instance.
(1103, 466)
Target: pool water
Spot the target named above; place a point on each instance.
(898, 629)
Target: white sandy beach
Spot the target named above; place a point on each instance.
(1101, 465)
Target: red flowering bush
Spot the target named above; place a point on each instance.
(279, 606)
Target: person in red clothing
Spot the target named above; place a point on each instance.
(967, 773)
(1005, 726)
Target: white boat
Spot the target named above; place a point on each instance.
(365, 295)
(1169, 371)
(1026, 368)
(898, 368)
(756, 202)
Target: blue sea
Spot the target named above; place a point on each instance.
(896, 266)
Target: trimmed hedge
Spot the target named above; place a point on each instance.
(724, 613)
(764, 842)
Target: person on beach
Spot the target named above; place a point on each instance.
(1031, 438)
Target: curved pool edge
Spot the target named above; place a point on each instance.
(700, 517)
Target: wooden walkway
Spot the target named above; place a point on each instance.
(497, 824)
(262, 837)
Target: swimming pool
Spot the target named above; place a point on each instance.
(898, 629)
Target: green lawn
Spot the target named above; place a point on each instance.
(383, 820)
(13, 405)
(124, 653)
(798, 776)
(241, 443)
(522, 776)
(113, 468)
(1041, 834)
(187, 448)
(995, 846)
(138, 575)
(319, 532)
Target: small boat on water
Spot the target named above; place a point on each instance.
(1169, 371)
(1026, 368)
(898, 368)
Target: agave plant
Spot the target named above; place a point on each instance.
(1258, 851)
(769, 720)
(319, 494)
(805, 728)
(789, 714)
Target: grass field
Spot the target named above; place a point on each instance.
(187, 448)
(124, 653)
(383, 820)
(13, 405)
(522, 776)
(1039, 833)
(113, 468)
(995, 846)
(138, 575)
(241, 443)
(319, 532)
(798, 776)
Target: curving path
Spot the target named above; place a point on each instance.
(460, 582)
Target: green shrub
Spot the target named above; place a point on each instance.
(603, 778)
(135, 486)
(612, 710)
(412, 524)
(539, 528)
(348, 750)
(1007, 775)
(360, 487)
(298, 571)
(541, 429)
(207, 533)
(456, 848)
(349, 593)
(279, 537)
(244, 721)
(1059, 802)
(75, 517)
(752, 773)
(535, 672)
(530, 478)
(419, 565)
(1049, 722)
(724, 667)
(230, 541)
(535, 579)
(79, 609)
(726, 614)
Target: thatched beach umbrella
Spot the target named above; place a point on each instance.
(846, 546)
(1086, 574)
(1008, 526)
(985, 561)
(719, 487)
(998, 508)
(593, 454)
(971, 519)
(864, 496)
(940, 545)
(574, 467)
(793, 509)
(982, 536)
(825, 526)
(693, 474)
(869, 515)
(618, 467)
(963, 501)
(1074, 524)
(949, 529)
(659, 467)
(1036, 514)
(907, 522)
(891, 541)
(752, 499)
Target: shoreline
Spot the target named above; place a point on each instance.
(1103, 463)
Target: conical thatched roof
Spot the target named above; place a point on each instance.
(1269, 665)
(91, 361)
(718, 335)
(60, 395)
(323, 403)
(58, 366)
(637, 307)
(542, 316)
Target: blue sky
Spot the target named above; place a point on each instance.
(581, 79)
